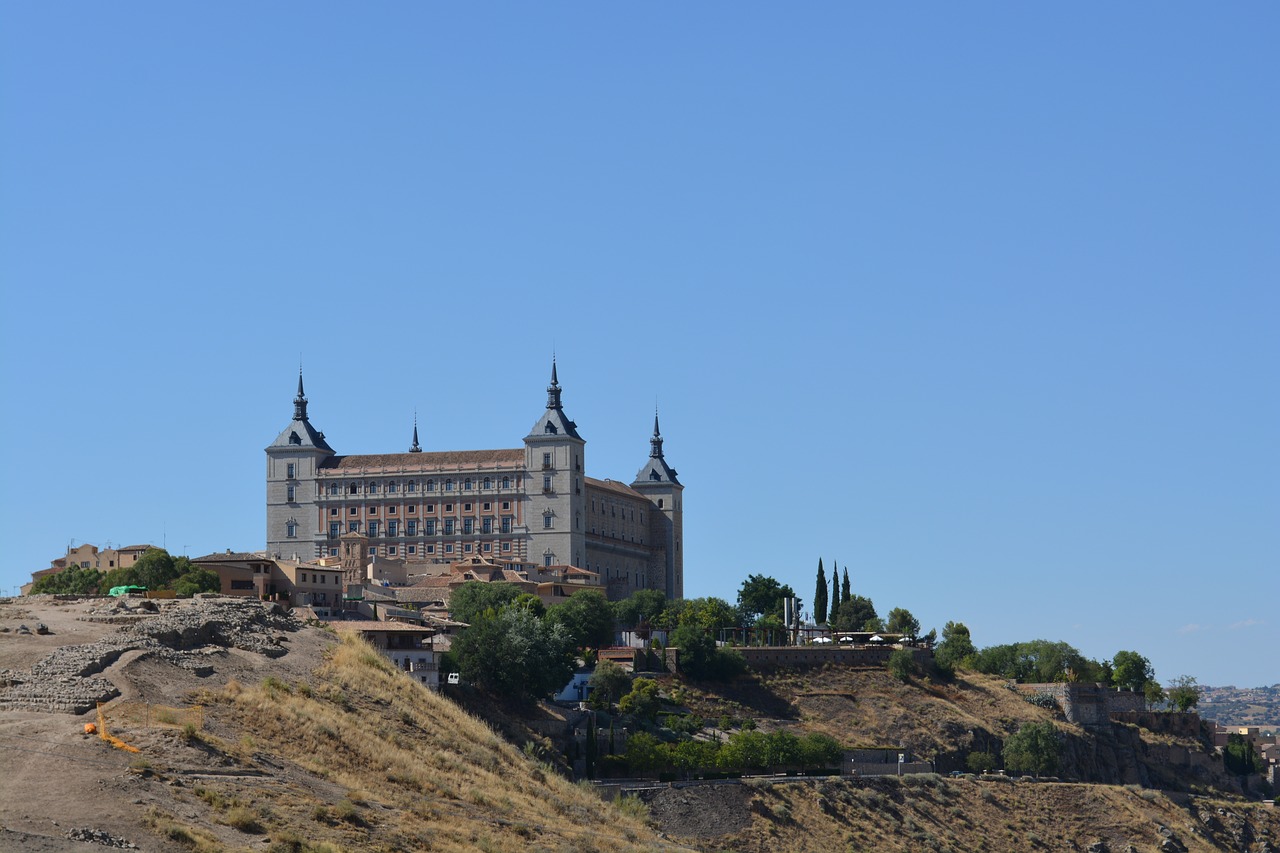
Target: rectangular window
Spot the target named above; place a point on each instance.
(467, 548)
(486, 525)
(448, 549)
(353, 527)
(431, 549)
(431, 527)
(393, 528)
(373, 529)
(391, 510)
(487, 506)
(291, 530)
(413, 549)
(448, 527)
(466, 507)
(373, 510)
(413, 528)
(546, 461)
(290, 471)
(391, 551)
(289, 494)
(333, 511)
(333, 552)
(546, 521)
(546, 559)
(429, 508)
(413, 508)
(506, 505)
(448, 507)
(506, 546)
(488, 547)
(506, 524)
(546, 484)
(468, 526)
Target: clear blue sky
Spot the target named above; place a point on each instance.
(978, 300)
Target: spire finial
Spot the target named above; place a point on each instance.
(300, 401)
(415, 448)
(553, 390)
(655, 443)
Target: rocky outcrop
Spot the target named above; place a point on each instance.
(64, 681)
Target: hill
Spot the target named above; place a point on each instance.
(318, 745)
(1236, 706)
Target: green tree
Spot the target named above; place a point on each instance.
(901, 664)
(819, 750)
(1036, 661)
(155, 569)
(855, 614)
(608, 683)
(196, 581)
(642, 608)
(820, 596)
(642, 701)
(955, 648)
(695, 756)
(1131, 670)
(783, 749)
(700, 658)
(980, 762)
(645, 752)
(745, 750)
(1184, 693)
(762, 595)
(1033, 749)
(469, 601)
(1154, 693)
(844, 588)
(514, 653)
(588, 617)
(69, 581)
(1238, 756)
(902, 622)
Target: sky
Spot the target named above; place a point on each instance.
(978, 301)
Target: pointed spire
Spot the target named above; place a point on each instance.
(415, 448)
(655, 443)
(553, 390)
(300, 401)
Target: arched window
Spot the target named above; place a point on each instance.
(431, 485)
(448, 485)
(466, 484)
(488, 484)
(506, 482)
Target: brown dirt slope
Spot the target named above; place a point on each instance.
(325, 748)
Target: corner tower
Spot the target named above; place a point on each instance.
(554, 456)
(657, 481)
(293, 499)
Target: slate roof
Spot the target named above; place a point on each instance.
(446, 460)
(614, 486)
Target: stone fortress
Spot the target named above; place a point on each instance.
(532, 505)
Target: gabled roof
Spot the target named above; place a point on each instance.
(615, 487)
(301, 434)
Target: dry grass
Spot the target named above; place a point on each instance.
(418, 771)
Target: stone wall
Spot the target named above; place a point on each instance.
(1164, 722)
(1087, 704)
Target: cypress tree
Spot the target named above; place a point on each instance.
(845, 596)
(835, 591)
(820, 596)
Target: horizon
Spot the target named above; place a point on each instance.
(979, 303)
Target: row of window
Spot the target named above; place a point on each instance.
(415, 550)
(412, 509)
(467, 484)
(429, 527)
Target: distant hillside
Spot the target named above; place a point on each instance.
(1234, 706)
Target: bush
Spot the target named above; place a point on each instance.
(902, 664)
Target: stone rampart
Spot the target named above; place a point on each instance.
(1087, 704)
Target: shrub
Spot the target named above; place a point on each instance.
(244, 820)
(901, 664)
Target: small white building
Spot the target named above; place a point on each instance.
(410, 647)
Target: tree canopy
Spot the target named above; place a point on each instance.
(902, 622)
(587, 616)
(762, 595)
(1184, 693)
(69, 581)
(643, 607)
(820, 596)
(1035, 748)
(955, 648)
(469, 601)
(854, 614)
(513, 652)
(1037, 661)
(1131, 670)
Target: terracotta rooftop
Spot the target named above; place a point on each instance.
(228, 557)
(447, 460)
